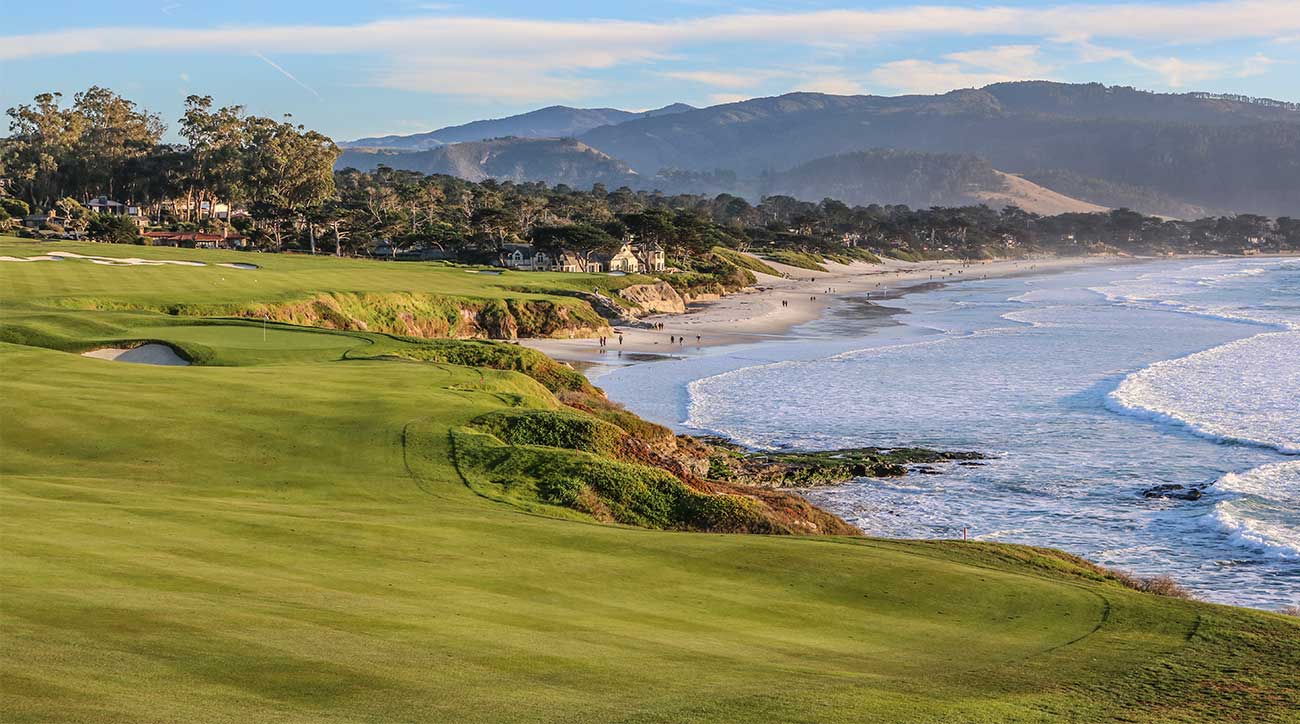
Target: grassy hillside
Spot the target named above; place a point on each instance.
(428, 300)
(290, 532)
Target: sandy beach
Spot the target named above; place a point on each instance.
(776, 304)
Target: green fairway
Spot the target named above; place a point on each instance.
(282, 533)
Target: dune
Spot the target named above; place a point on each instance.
(1034, 198)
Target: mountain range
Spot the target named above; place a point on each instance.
(1041, 145)
(549, 122)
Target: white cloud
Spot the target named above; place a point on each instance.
(836, 85)
(1257, 64)
(716, 79)
(927, 76)
(1227, 19)
(1009, 60)
(540, 59)
(720, 98)
(1175, 72)
(966, 69)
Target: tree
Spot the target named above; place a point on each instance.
(216, 146)
(287, 170)
(112, 228)
(112, 133)
(75, 216)
(583, 238)
(42, 136)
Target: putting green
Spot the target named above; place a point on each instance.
(293, 542)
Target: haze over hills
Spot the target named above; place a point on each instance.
(550, 122)
(555, 160)
(1170, 154)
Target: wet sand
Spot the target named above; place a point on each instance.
(776, 304)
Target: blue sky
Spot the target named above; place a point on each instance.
(404, 66)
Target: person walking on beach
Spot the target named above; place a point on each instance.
(620, 341)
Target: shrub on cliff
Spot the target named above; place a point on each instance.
(501, 356)
(566, 429)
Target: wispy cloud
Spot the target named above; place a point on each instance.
(717, 79)
(529, 59)
(966, 69)
(1257, 64)
(285, 73)
(1175, 72)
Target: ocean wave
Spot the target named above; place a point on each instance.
(1168, 291)
(1247, 391)
(1257, 512)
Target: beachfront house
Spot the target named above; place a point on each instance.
(628, 259)
(651, 256)
(569, 260)
(524, 257)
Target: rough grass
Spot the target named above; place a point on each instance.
(282, 536)
(799, 259)
(745, 261)
(853, 254)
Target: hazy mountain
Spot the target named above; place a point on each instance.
(1194, 149)
(552, 160)
(551, 122)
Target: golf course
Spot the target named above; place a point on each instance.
(334, 513)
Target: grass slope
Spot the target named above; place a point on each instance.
(281, 535)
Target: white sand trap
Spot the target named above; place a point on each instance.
(42, 257)
(239, 265)
(145, 354)
(124, 261)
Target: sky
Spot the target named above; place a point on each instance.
(405, 66)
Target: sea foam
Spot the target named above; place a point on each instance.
(1257, 512)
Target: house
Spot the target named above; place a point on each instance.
(651, 256)
(104, 205)
(39, 221)
(624, 260)
(629, 259)
(573, 261)
(138, 215)
(422, 254)
(193, 240)
(524, 257)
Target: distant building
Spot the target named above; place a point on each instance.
(104, 205)
(651, 256)
(524, 257)
(40, 220)
(629, 259)
(623, 260)
(194, 240)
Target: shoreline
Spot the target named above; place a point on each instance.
(775, 305)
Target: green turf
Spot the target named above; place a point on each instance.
(281, 534)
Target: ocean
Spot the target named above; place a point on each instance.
(1089, 387)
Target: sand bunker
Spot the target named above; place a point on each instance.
(42, 257)
(146, 354)
(121, 261)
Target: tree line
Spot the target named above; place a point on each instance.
(280, 177)
(58, 156)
